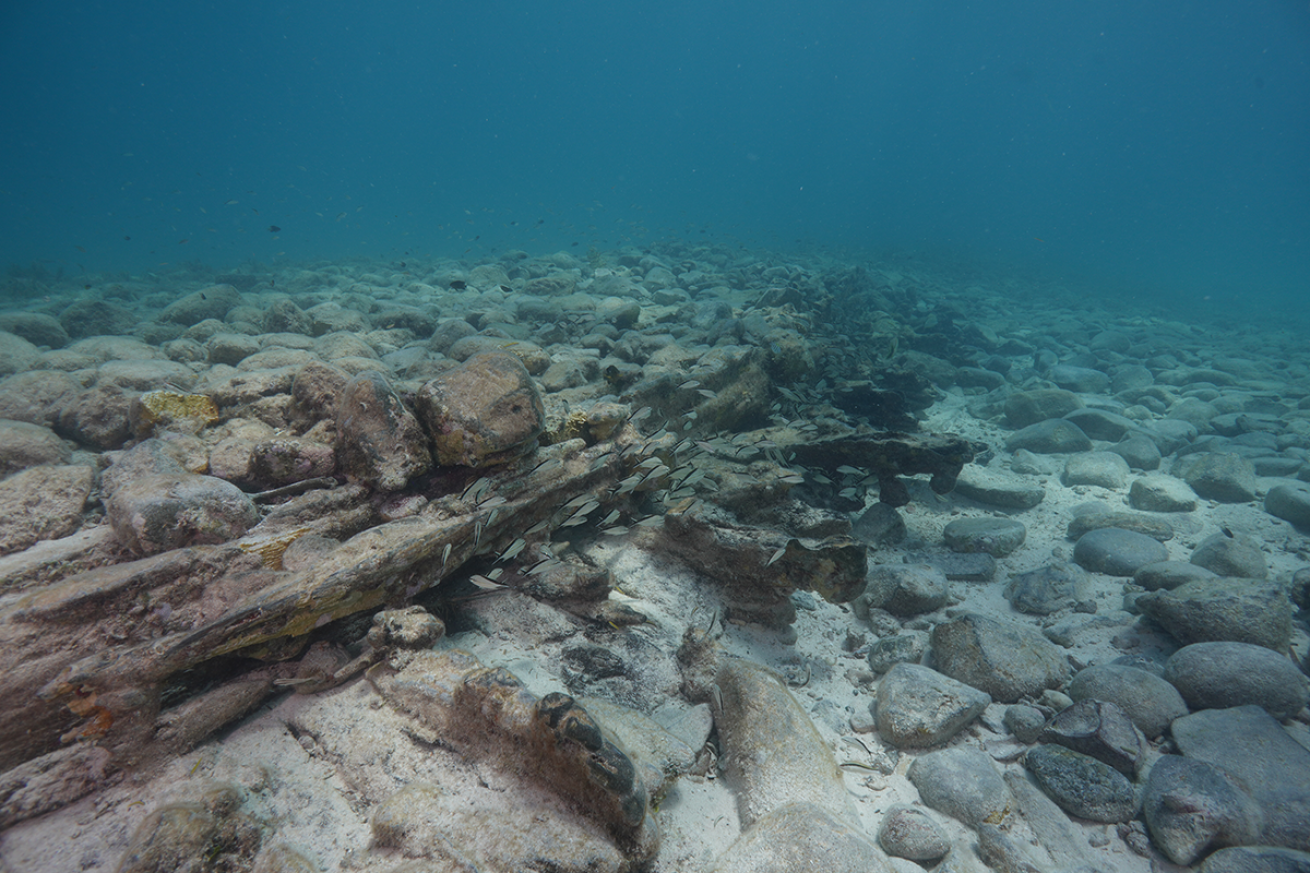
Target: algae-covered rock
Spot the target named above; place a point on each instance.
(379, 441)
(156, 411)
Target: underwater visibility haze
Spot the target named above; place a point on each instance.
(1157, 148)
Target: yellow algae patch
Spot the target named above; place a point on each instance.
(172, 410)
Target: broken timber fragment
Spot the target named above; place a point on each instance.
(760, 568)
(87, 659)
(487, 715)
(891, 455)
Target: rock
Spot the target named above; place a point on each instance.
(42, 503)
(1029, 407)
(97, 318)
(775, 756)
(879, 525)
(1169, 575)
(485, 412)
(24, 445)
(1226, 555)
(1089, 518)
(1051, 588)
(315, 394)
(1050, 437)
(918, 707)
(1150, 701)
(1100, 729)
(622, 312)
(1102, 469)
(282, 461)
(154, 412)
(802, 836)
(230, 348)
(1220, 675)
(1024, 722)
(155, 504)
(99, 417)
(996, 489)
(1082, 785)
(906, 589)
(1117, 552)
(962, 782)
(1099, 424)
(1171, 434)
(940, 456)
(37, 396)
(1005, 659)
(909, 832)
(1256, 859)
(1227, 478)
(1082, 380)
(756, 579)
(1290, 501)
(1250, 746)
(35, 327)
(1191, 807)
(997, 537)
(379, 441)
(906, 647)
(1161, 493)
(1216, 610)
(212, 302)
(1140, 451)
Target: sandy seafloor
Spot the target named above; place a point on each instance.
(317, 811)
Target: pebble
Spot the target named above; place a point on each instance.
(1050, 437)
(909, 832)
(1191, 807)
(1082, 785)
(905, 589)
(1024, 722)
(1051, 588)
(961, 782)
(1226, 555)
(1226, 477)
(1117, 552)
(1100, 424)
(1081, 380)
(906, 647)
(1029, 407)
(1250, 745)
(1256, 859)
(1100, 729)
(1219, 675)
(1006, 659)
(1102, 469)
(1290, 501)
(1169, 575)
(919, 707)
(997, 489)
(1161, 493)
(1238, 610)
(997, 537)
(1149, 701)
(1140, 451)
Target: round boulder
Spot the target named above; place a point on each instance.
(1117, 552)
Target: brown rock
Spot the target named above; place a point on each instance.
(485, 412)
(379, 441)
(42, 503)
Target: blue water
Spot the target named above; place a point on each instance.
(1157, 148)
